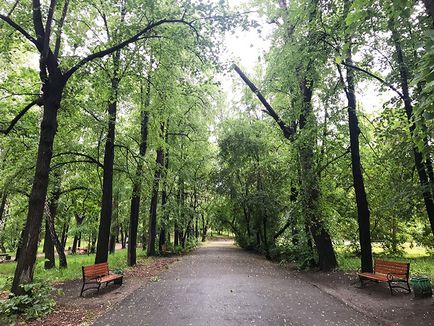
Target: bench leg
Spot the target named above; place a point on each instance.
(361, 281)
(390, 287)
(82, 290)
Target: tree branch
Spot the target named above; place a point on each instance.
(333, 160)
(13, 7)
(48, 25)
(72, 189)
(288, 131)
(123, 44)
(59, 32)
(375, 77)
(37, 22)
(18, 28)
(15, 120)
(90, 158)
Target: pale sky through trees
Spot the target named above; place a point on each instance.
(247, 48)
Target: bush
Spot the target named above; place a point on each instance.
(37, 302)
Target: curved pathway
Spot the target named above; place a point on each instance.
(220, 284)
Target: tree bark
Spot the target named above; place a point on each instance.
(51, 211)
(204, 227)
(363, 214)
(50, 260)
(152, 231)
(29, 245)
(3, 201)
(109, 155)
(162, 238)
(137, 184)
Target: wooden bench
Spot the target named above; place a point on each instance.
(98, 274)
(391, 272)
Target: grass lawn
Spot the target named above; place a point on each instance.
(117, 260)
(421, 263)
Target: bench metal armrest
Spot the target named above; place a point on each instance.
(390, 277)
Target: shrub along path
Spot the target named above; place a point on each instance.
(220, 284)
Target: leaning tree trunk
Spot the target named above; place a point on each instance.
(418, 157)
(363, 214)
(29, 244)
(137, 184)
(109, 156)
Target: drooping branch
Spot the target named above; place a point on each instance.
(90, 158)
(288, 131)
(15, 120)
(121, 45)
(65, 191)
(381, 80)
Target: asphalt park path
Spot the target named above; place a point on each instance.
(220, 284)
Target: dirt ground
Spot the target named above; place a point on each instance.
(72, 309)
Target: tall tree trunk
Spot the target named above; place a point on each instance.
(363, 215)
(418, 157)
(64, 237)
(114, 229)
(176, 235)
(109, 155)
(205, 228)
(29, 245)
(152, 232)
(50, 260)
(137, 184)
(76, 243)
(162, 238)
(310, 185)
(112, 243)
(3, 200)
